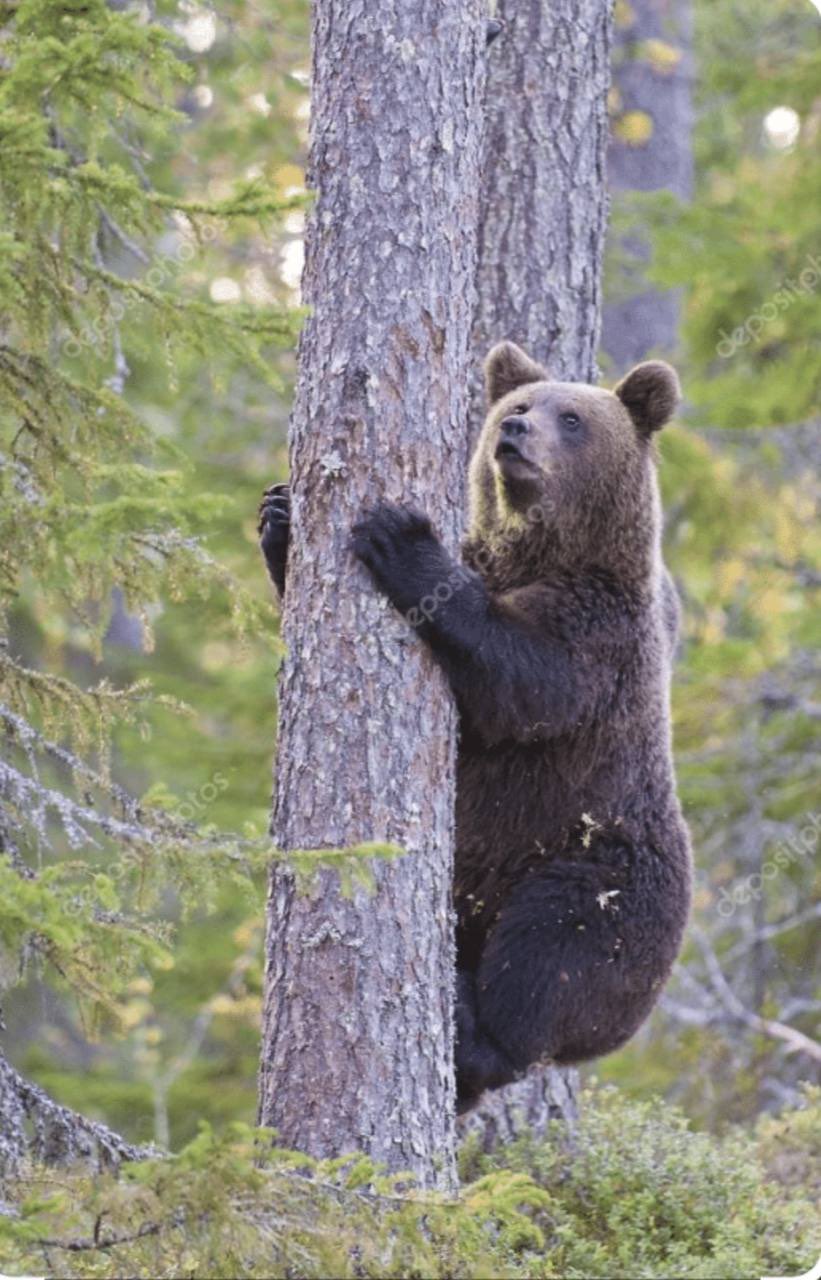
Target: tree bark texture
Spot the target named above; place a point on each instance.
(544, 205)
(357, 1034)
(530, 1104)
(650, 150)
(542, 225)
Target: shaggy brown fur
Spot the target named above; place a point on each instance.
(572, 879)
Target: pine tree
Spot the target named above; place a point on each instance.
(94, 514)
(539, 282)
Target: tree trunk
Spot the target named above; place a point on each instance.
(650, 150)
(542, 225)
(530, 1104)
(357, 1034)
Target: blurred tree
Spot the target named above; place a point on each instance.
(97, 517)
(747, 247)
(734, 1031)
(651, 149)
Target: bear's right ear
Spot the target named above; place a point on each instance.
(506, 368)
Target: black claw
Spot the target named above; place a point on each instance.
(274, 528)
(275, 510)
(494, 28)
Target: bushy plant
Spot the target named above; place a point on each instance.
(632, 1193)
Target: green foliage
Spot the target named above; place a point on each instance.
(790, 1144)
(352, 866)
(747, 247)
(638, 1193)
(741, 497)
(139, 421)
(104, 278)
(633, 1193)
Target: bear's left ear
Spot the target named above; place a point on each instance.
(650, 393)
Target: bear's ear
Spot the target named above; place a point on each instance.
(650, 393)
(506, 368)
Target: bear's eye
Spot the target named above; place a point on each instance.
(570, 420)
(520, 410)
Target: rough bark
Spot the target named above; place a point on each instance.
(34, 1127)
(653, 96)
(544, 207)
(530, 1104)
(357, 1035)
(542, 225)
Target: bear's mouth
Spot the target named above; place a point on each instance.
(507, 451)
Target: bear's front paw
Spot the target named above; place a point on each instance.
(382, 533)
(273, 528)
(396, 545)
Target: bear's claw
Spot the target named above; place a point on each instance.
(274, 527)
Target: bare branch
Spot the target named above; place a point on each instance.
(105, 1242)
(796, 1040)
(774, 930)
(34, 1125)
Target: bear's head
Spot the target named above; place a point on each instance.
(570, 468)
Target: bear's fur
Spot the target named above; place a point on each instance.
(572, 877)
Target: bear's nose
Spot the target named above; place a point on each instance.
(515, 426)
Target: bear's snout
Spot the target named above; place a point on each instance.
(511, 436)
(514, 426)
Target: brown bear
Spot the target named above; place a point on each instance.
(573, 868)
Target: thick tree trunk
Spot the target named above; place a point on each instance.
(357, 1036)
(541, 240)
(650, 150)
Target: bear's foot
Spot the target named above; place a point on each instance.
(480, 1063)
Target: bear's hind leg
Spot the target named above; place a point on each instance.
(569, 970)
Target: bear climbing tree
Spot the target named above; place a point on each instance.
(572, 869)
(357, 1036)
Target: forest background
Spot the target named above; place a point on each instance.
(140, 632)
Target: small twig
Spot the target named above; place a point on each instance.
(125, 240)
(774, 930)
(107, 1242)
(796, 1041)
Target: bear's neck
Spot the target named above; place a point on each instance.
(625, 545)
